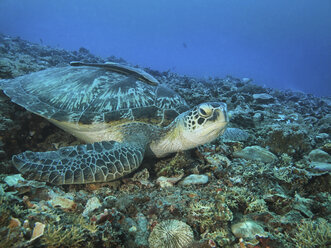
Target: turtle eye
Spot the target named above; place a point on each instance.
(202, 112)
(205, 110)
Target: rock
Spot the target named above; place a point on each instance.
(291, 139)
(13, 180)
(303, 205)
(321, 137)
(246, 80)
(324, 124)
(142, 177)
(252, 88)
(5, 68)
(2, 154)
(109, 201)
(248, 230)
(234, 135)
(92, 204)
(64, 203)
(165, 182)
(142, 232)
(256, 153)
(327, 148)
(243, 119)
(263, 98)
(218, 160)
(319, 166)
(319, 155)
(14, 223)
(257, 117)
(194, 179)
(38, 231)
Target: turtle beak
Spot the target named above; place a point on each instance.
(220, 113)
(223, 115)
(219, 118)
(223, 109)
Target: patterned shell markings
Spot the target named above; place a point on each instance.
(93, 95)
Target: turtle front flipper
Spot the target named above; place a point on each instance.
(98, 162)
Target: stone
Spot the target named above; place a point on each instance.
(322, 137)
(256, 153)
(319, 155)
(327, 148)
(319, 166)
(234, 135)
(92, 204)
(142, 232)
(165, 182)
(142, 177)
(257, 117)
(2, 153)
(246, 80)
(263, 98)
(13, 180)
(218, 160)
(243, 119)
(291, 139)
(248, 230)
(14, 223)
(64, 203)
(38, 231)
(194, 179)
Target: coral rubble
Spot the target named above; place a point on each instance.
(266, 183)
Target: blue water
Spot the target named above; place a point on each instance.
(278, 43)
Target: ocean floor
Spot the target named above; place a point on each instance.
(268, 185)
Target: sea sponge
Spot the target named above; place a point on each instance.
(171, 234)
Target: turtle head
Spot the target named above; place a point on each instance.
(194, 127)
(203, 123)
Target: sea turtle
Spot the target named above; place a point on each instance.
(122, 114)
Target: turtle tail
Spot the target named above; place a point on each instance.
(90, 163)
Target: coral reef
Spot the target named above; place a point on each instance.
(311, 233)
(272, 170)
(60, 236)
(173, 166)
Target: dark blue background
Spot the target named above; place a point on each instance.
(278, 43)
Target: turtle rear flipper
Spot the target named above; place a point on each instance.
(98, 162)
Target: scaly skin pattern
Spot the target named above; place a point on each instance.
(98, 162)
(90, 163)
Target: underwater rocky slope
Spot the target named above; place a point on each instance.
(266, 186)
